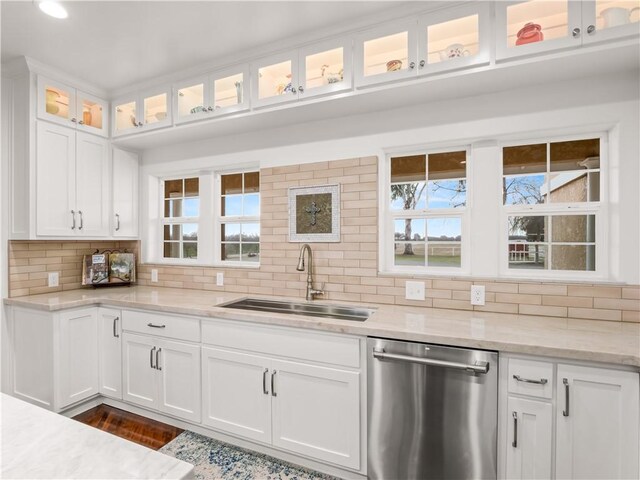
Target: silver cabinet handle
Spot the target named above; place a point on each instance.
(117, 222)
(155, 326)
(273, 388)
(209, 109)
(293, 90)
(151, 357)
(74, 120)
(565, 412)
(158, 367)
(422, 63)
(81, 220)
(514, 444)
(264, 381)
(73, 213)
(575, 32)
(80, 122)
(412, 65)
(477, 367)
(139, 124)
(542, 381)
(115, 332)
(301, 89)
(591, 29)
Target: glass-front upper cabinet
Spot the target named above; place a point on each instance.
(70, 107)
(608, 19)
(454, 38)
(223, 92)
(385, 54)
(536, 26)
(146, 111)
(325, 68)
(275, 79)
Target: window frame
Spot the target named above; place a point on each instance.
(549, 209)
(179, 220)
(388, 216)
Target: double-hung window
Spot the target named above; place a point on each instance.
(181, 207)
(426, 211)
(552, 205)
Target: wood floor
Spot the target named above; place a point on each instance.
(130, 426)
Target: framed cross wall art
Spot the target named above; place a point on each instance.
(314, 214)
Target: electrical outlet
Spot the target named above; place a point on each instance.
(154, 274)
(477, 294)
(219, 279)
(54, 279)
(414, 290)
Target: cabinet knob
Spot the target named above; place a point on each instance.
(209, 109)
(591, 29)
(80, 122)
(575, 32)
(139, 124)
(74, 120)
(422, 63)
(301, 89)
(412, 65)
(293, 90)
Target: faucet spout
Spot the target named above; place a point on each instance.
(311, 292)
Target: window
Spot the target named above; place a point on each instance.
(239, 221)
(427, 210)
(551, 197)
(181, 205)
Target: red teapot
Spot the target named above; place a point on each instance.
(530, 33)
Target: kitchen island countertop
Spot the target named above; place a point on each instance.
(590, 340)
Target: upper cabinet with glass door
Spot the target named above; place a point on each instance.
(314, 70)
(141, 112)
(454, 38)
(70, 107)
(610, 19)
(223, 92)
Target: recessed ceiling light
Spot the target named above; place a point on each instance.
(53, 9)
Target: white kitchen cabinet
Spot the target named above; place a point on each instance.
(110, 349)
(610, 20)
(68, 106)
(54, 356)
(142, 111)
(162, 375)
(223, 92)
(529, 439)
(124, 182)
(275, 79)
(597, 418)
(72, 179)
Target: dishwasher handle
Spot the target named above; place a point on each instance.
(477, 367)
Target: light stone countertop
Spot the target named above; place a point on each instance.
(591, 340)
(37, 443)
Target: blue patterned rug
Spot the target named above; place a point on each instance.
(217, 460)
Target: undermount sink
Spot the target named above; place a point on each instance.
(296, 308)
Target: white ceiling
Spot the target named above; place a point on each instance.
(115, 44)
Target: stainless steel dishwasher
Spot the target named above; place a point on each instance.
(432, 411)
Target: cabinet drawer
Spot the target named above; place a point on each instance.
(150, 323)
(315, 347)
(527, 377)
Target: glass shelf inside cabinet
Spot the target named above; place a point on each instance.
(92, 114)
(155, 109)
(228, 91)
(324, 68)
(191, 100)
(57, 102)
(453, 39)
(386, 54)
(125, 116)
(274, 80)
(537, 21)
(615, 13)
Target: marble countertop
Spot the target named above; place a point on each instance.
(609, 342)
(37, 443)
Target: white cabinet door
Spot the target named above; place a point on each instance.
(236, 393)
(529, 439)
(124, 181)
(316, 412)
(597, 423)
(110, 345)
(326, 67)
(606, 20)
(55, 180)
(178, 368)
(92, 185)
(140, 381)
(78, 355)
(92, 114)
(56, 102)
(275, 79)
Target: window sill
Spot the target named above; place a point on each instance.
(173, 263)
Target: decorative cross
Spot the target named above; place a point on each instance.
(313, 209)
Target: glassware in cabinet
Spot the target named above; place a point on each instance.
(276, 80)
(326, 67)
(610, 19)
(230, 90)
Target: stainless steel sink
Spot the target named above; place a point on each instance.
(295, 308)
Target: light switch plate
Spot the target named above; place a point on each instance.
(477, 294)
(414, 291)
(54, 279)
(219, 279)
(154, 274)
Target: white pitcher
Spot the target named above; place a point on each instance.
(615, 16)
